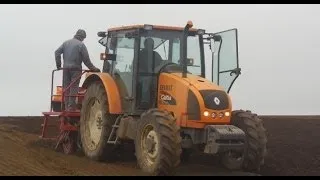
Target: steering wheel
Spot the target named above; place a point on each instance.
(162, 65)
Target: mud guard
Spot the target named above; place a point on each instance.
(110, 87)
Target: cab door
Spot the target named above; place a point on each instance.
(225, 62)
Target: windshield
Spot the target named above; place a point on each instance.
(161, 46)
(193, 52)
(168, 43)
(161, 42)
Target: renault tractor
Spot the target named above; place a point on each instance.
(159, 91)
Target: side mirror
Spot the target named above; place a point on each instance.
(106, 56)
(216, 38)
(102, 34)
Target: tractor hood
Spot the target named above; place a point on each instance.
(199, 82)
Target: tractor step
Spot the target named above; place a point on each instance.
(113, 138)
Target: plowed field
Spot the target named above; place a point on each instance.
(293, 149)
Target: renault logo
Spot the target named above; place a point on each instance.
(216, 100)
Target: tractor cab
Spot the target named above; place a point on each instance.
(136, 55)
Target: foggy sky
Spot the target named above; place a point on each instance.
(278, 49)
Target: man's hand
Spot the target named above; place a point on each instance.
(95, 69)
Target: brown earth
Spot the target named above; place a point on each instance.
(293, 149)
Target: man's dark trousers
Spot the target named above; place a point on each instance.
(71, 76)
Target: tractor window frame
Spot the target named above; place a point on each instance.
(127, 106)
(171, 35)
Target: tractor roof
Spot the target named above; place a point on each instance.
(159, 27)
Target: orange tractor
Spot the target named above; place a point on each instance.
(153, 93)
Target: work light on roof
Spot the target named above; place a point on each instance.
(148, 27)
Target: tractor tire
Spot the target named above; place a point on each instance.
(96, 119)
(157, 132)
(256, 141)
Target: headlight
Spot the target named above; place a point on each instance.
(206, 113)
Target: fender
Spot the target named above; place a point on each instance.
(110, 87)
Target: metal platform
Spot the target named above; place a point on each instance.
(68, 128)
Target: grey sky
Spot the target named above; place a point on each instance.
(278, 49)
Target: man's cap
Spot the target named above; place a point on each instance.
(81, 33)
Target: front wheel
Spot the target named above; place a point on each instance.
(158, 143)
(256, 142)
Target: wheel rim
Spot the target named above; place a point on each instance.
(149, 144)
(94, 124)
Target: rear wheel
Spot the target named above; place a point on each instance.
(158, 143)
(96, 124)
(256, 140)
